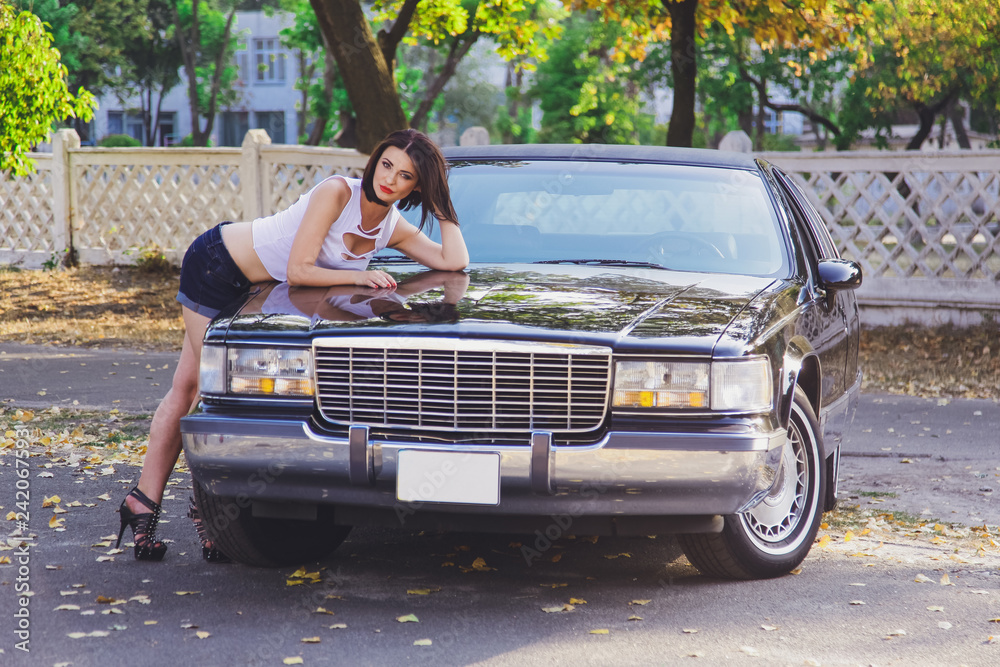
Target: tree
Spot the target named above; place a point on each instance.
(367, 62)
(152, 63)
(925, 56)
(207, 45)
(586, 96)
(819, 25)
(33, 88)
(324, 99)
(91, 36)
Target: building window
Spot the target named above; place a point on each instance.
(772, 121)
(235, 125)
(269, 60)
(272, 122)
(167, 129)
(124, 122)
(243, 63)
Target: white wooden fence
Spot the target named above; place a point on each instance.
(923, 226)
(109, 203)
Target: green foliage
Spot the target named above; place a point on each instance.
(150, 259)
(188, 142)
(518, 127)
(33, 89)
(207, 44)
(119, 141)
(779, 142)
(586, 96)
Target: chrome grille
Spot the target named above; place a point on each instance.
(468, 385)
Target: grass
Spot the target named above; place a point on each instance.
(877, 494)
(135, 308)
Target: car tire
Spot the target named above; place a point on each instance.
(773, 538)
(266, 542)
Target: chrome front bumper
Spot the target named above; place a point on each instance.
(624, 474)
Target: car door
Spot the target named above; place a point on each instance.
(827, 323)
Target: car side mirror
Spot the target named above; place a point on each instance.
(839, 274)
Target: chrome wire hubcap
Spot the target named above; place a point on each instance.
(778, 515)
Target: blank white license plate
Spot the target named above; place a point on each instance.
(448, 477)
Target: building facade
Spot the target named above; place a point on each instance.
(266, 95)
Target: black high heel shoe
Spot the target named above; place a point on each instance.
(143, 527)
(210, 554)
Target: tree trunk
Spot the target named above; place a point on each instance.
(926, 114)
(684, 67)
(958, 122)
(759, 122)
(329, 77)
(459, 48)
(368, 80)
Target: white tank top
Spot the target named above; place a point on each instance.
(273, 235)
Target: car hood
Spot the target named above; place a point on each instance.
(617, 306)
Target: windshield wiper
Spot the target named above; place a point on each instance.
(602, 262)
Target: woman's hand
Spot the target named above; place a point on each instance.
(374, 278)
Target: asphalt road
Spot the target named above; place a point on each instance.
(856, 602)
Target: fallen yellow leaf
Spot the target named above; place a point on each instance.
(640, 602)
(50, 501)
(601, 631)
(480, 564)
(310, 640)
(408, 618)
(848, 536)
(577, 601)
(423, 642)
(823, 541)
(296, 660)
(201, 634)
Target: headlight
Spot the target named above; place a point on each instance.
(726, 386)
(660, 384)
(213, 369)
(256, 371)
(741, 386)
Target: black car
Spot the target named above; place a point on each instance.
(648, 340)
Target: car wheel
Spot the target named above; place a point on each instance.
(266, 542)
(774, 537)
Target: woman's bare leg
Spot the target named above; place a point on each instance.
(165, 432)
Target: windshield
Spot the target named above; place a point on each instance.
(688, 218)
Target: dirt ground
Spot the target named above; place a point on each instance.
(131, 307)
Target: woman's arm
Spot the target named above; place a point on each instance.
(449, 255)
(326, 204)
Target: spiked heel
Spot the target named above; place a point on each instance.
(210, 554)
(143, 527)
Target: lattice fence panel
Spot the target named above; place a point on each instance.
(26, 214)
(123, 207)
(290, 181)
(920, 222)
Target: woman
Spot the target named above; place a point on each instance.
(326, 238)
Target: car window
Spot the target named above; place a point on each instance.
(817, 226)
(680, 217)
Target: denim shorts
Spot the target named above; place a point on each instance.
(210, 279)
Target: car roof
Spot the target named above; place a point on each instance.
(603, 153)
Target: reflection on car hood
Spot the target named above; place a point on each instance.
(593, 305)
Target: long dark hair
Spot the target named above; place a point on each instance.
(433, 196)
